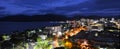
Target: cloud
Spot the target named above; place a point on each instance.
(94, 7)
(67, 7)
(44, 3)
(11, 9)
(2, 8)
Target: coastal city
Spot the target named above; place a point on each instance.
(102, 33)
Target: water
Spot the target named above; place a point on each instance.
(8, 27)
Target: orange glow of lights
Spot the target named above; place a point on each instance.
(55, 41)
(74, 31)
(85, 45)
(71, 34)
(85, 42)
(66, 37)
(68, 44)
(55, 44)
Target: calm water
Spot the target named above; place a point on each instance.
(8, 27)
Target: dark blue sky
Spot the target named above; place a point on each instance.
(66, 7)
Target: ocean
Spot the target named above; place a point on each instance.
(9, 27)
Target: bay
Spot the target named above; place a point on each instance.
(8, 27)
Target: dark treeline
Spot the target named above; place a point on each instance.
(50, 17)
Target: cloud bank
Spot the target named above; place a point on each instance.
(66, 7)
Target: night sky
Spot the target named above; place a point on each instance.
(65, 7)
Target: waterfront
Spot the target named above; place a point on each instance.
(69, 34)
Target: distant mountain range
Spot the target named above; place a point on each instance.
(50, 17)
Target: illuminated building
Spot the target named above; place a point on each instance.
(54, 29)
(96, 27)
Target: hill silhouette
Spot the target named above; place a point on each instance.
(49, 17)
